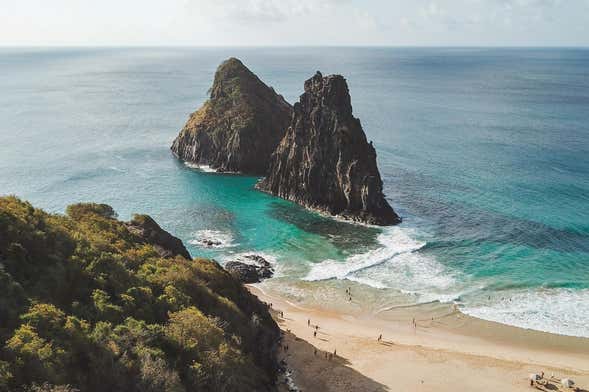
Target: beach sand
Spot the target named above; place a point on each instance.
(451, 352)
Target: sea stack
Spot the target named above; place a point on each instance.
(238, 127)
(324, 161)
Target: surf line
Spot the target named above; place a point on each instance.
(281, 299)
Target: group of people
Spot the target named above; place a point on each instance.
(539, 382)
(349, 294)
(316, 327)
(328, 356)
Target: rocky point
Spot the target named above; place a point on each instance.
(324, 161)
(238, 127)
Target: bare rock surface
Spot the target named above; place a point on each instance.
(253, 271)
(324, 161)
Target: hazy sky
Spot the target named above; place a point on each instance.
(294, 22)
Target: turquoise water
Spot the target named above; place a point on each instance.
(484, 152)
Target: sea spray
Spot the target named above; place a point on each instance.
(212, 239)
(202, 168)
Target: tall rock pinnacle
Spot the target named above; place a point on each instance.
(324, 161)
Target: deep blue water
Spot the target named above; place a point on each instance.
(484, 152)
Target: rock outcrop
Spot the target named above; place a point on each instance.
(254, 271)
(239, 127)
(147, 230)
(324, 161)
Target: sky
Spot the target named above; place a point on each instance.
(294, 22)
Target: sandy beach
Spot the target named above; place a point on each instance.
(445, 351)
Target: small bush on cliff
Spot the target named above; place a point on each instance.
(86, 305)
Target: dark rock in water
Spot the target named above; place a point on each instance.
(210, 243)
(240, 125)
(144, 227)
(250, 273)
(324, 161)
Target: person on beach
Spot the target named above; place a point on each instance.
(308, 322)
(334, 353)
(379, 337)
(314, 334)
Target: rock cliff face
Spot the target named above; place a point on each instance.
(240, 125)
(147, 230)
(324, 160)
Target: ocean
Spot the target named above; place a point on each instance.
(484, 152)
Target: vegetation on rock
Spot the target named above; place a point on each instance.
(89, 305)
(240, 125)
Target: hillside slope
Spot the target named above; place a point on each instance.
(87, 301)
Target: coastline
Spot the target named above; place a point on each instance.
(446, 351)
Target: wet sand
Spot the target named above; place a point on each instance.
(445, 350)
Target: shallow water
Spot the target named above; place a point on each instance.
(484, 152)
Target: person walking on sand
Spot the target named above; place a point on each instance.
(379, 337)
(308, 322)
(314, 334)
(334, 353)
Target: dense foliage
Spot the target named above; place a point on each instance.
(86, 305)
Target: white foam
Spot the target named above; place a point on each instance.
(217, 239)
(396, 264)
(560, 311)
(203, 168)
(393, 242)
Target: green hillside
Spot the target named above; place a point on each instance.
(89, 304)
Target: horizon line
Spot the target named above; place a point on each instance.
(13, 46)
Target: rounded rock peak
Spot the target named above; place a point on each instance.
(233, 68)
(231, 62)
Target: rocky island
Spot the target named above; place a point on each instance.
(324, 161)
(239, 127)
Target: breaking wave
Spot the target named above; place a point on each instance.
(556, 310)
(396, 264)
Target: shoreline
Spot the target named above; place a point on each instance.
(445, 351)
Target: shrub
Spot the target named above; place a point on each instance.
(86, 305)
